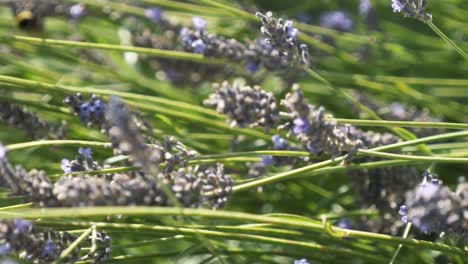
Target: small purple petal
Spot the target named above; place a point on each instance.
(5, 249)
(66, 166)
(77, 11)
(199, 23)
(3, 151)
(199, 46)
(279, 142)
(301, 261)
(50, 249)
(344, 223)
(22, 225)
(267, 160)
(154, 14)
(85, 152)
(301, 125)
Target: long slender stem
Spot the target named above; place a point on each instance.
(311, 225)
(411, 157)
(292, 173)
(388, 123)
(49, 143)
(168, 54)
(448, 40)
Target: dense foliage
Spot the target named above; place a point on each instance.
(215, 131)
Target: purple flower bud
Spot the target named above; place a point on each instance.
(98, 107)
(185, 37)
(49, 249)
(252, 67)
(337, 20)
(301, 261)
(3, 151)
(365, 6)
(77, 11)
(85, 152)
(198, 46)
(397, 6)
(199, 23)
(279, 142)
(154, 14)
(344, 223)
(403, 210)
(5, 249)
(301, 126)
(22, 225)
(66, 166)
(290, 30)
(85, 110)
(267, 160)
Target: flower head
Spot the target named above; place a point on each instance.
(412, 8)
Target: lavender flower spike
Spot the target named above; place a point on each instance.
(412, 8)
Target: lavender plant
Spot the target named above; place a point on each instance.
(175, 168)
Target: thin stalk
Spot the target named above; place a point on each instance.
(411, 157)
(405, 235)
(49, 143)
(387, 123)
(168, 54)
(292, 173)
(447, 39)
(151, 107)
(16, 207)
(311, 225)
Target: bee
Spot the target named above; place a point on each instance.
(30, 14)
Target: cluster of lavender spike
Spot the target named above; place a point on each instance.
(22, 238)
(161, 163)
(19, 117)
(187, 184)
(412, 8)
(30, 14)
(383, 188)
(277, 49)
(434, 208)
(168, 35)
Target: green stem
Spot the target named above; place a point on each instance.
(311, 225)
(49, 143)
(405, 235)
(168, 54)
(298, 171)
(150, 107)
(447, 39)
(237, 236)
(411, 157)
(16, 206)
(387, 123)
